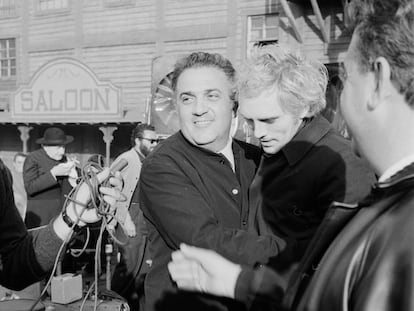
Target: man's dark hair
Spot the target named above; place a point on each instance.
(138, 131)
(203, 59)
(386, 28)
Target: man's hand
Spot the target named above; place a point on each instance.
(110, 194)
(204, 271)
(62, 169)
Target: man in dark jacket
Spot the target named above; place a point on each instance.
(27, 257)
(47, 174)
(194, 184)
(306, 165)
(370, 264)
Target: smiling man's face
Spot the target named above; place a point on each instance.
(205, 108)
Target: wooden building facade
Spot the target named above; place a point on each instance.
(132, 45)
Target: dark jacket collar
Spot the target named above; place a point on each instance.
(402, 177)
(308, 136)
(398, 183)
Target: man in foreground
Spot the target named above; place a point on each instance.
(369, 266)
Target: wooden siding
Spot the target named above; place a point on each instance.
(207, 45)
(50, 27)
(179, 13)
(120, 42)
(128, 67)
(314, 46)
(98, 19)
(38, 59)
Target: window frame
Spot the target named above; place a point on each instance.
(118, 3)
(52, 11)
(250, 41)
(9, 60)
(12, 8)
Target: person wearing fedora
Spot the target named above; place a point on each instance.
(48, 175)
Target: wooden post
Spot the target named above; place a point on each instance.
(345, 4)
(291, 18)
(108, 138)
(319, 18)
(147, 117)
(24, 135)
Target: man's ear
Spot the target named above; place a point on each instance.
(383, 84)
(137, 141)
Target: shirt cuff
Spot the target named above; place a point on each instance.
(243, 284)
(47, 246)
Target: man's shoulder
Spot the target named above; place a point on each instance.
(36, 155)
(126, 154)
(35, 152)
(335, 140)
(332, 145)
(341, 149)
(250, 151)
(133, 161)
(173, 143)
(170, 147)
(334, 149)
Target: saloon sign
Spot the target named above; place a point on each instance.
(68, 91)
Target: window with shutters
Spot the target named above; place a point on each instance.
(118, 3)
(262, 30)
(52, 6)
(7, 58)
(8, 8)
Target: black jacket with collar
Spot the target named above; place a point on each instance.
(368, 266)
(192, 195)
(45, 193)
(295, 187)
(24, 257)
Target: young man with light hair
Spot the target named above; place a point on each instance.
(306, 164)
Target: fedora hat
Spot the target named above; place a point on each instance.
(54, 136)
